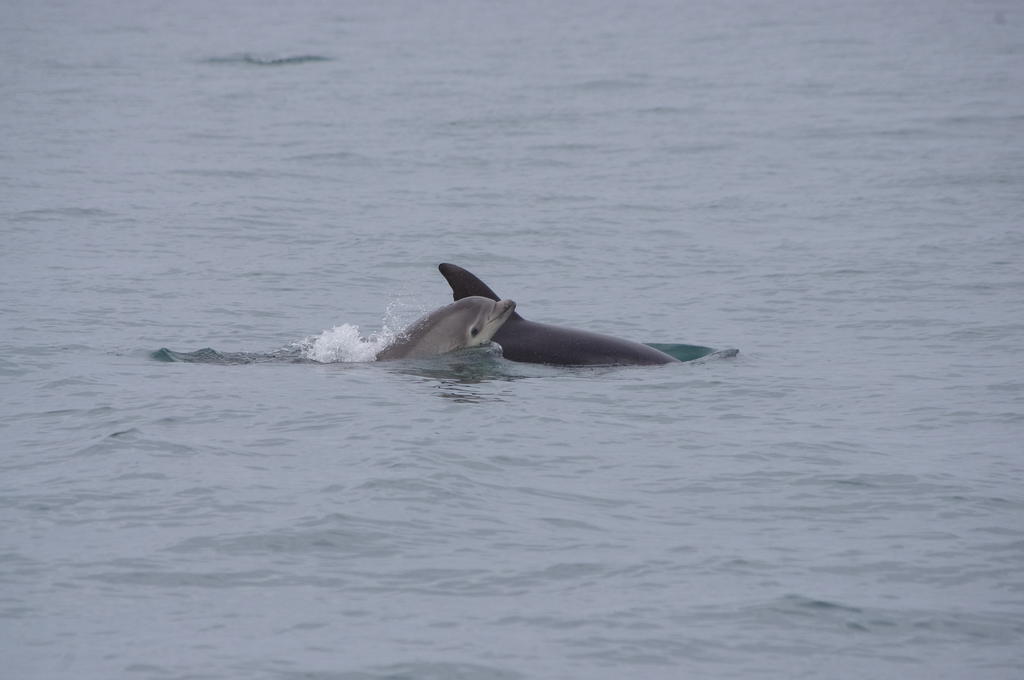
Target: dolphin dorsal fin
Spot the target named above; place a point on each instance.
(466, 284)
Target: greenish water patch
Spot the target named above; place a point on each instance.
(682, 352)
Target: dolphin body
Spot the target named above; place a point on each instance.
(467, 322)
(541, 343)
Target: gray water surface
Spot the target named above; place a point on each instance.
(837, 190)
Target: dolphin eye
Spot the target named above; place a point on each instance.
(475, 332)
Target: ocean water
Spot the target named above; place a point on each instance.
(209, 211)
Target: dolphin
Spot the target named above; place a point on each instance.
(467, 322)
(542, 343)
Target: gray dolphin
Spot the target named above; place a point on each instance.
(468, 322)
(542, 343)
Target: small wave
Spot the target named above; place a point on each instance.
(335, 158)
(50, 214)
(258, 60)
(612, 84)
(208, 355)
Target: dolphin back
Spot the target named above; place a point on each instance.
(542, 343)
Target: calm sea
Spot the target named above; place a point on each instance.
(207, 208)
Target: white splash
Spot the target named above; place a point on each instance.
(344, 343)
(341, 343)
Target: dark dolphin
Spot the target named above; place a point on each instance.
(541, 343)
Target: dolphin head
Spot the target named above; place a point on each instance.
(468, 322)
(485, 318)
